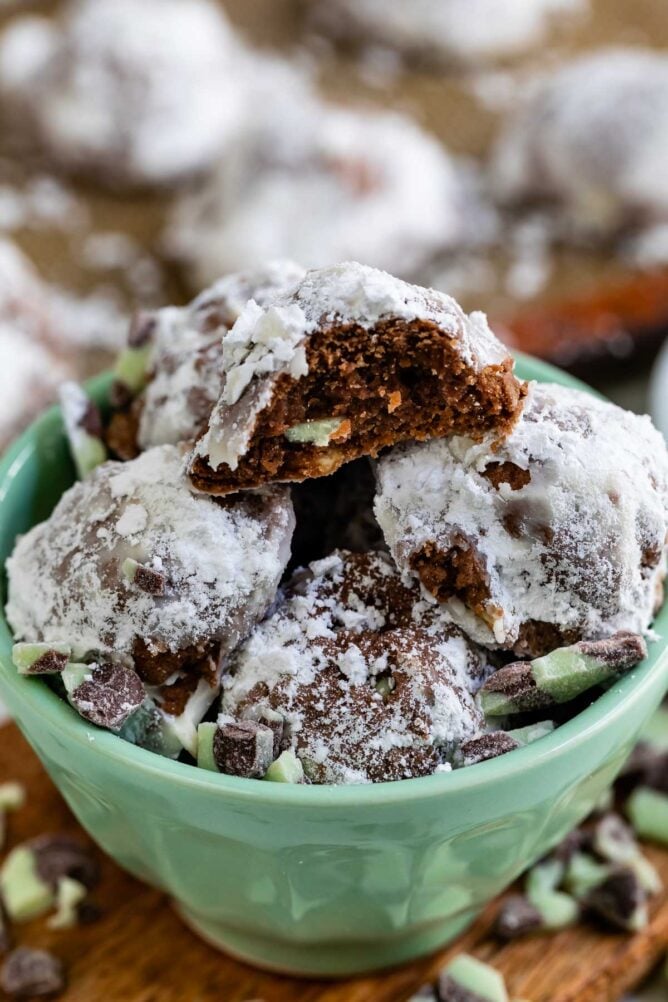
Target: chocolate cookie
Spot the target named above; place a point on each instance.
(173, 360)
(556, 535)
(372, 682)
(348, 363)
(133, 568)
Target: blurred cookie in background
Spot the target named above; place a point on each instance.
(322, 183)
(445, 32)
(46, 336)
(125, 92)
(591, 143)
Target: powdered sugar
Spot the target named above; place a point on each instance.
(344, 625)
(221, 563)
(187, 345)
(580, 546)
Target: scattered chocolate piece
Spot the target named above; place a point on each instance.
(620, 900)
(69, 896)
(517, 917)
(467, 979)
(62, 855)
(562, 675)
(287, 768)
(205, 757)
(648, 812)
(425, 994)
(106, 695)
(244, 749)
(26, 894)
(271, 719)
(12, 796)
(83, 426)
(614, 840)
(28, 973)
(485, 747)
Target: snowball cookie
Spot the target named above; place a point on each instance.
(372, 682)
(33, 362)
(131, 91)
(134, 568)
(556, 535)
(593, 139)
(349, 362)
(181, 349)
(322, 184)
(460, 31)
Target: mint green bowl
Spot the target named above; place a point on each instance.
(302, 879)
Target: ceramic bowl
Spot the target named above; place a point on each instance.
(305, 879)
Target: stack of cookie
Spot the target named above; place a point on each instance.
(503, 521)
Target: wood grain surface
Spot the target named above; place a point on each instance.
(139, 951)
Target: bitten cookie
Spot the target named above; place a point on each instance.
(557, 535)
(365, 680)
(445, 31)
(353, 360)
(126, 92)
(134, 568)
(175, 353)
(592, 140)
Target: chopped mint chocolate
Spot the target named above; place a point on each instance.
(149, 728)
(385, 686)
(583, 873)
(614, 840)
(517, 917)
(425, 994)
(620, 900)
(486, 746)
(647, 810)
(560, 676)
(28, 973)
(244, 748)
(130, 370)
(83, 426)
(532, 732)
(317, 433)
(12, 796)
(145, 578)
(285, 769)
(275, 721)
(205, 756)
(466, 974)
(106, 695)
(60, 855)
(25, 894)
(557, 909)
(544, 877)
(69, 895)
(40, 659)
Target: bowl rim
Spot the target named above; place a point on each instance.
(602, 712)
